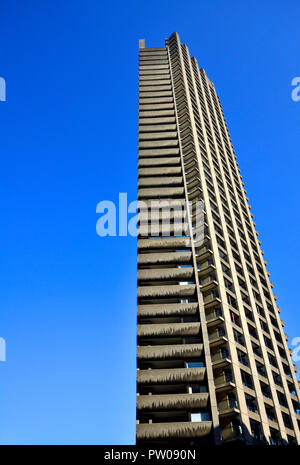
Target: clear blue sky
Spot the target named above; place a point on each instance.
(69, 140)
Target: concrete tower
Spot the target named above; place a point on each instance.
(212, 357)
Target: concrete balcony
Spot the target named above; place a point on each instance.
(160, 181)
(205, 270)
(230, 434)
(225, 386)
(154, 100)
(204, 255)
(206, 287)
(167, 291)
(165, 229)
(163, 119)
(157, 106)
(218, 361)
(212, 302)
(193, 182)
(165, 274)
(158, 192)
(158, 171)
(158, 206)
(161, 258)
(155, 83)
(214, 321)
(161, 140)
(174, 375)
(191, 169)
(154, 75)
(189, 308)
(180, 351)
(168, 329)
(161, 243)
(194, 193)
(162, 152)
(170, 161)
(154, 113)
(173, 430)
(156, 128)
(172, 401)
(217, 341)
(148, 93)
(145, 53)
(228, 408)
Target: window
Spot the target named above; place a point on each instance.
(195, 364)
(242, 358)
(194, 388)
(251, 403)
(231, 301)
(200, 416)
(247, 379)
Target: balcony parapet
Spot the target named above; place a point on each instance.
(173, 430)
(172, 401)
(158, 258)
(157, 192)
(169, 161)
(160, 181)
(167, 242)
(166, 291)
(174, 375)
(167, 274)
(169, 351)
(169, 329)
(189, 308)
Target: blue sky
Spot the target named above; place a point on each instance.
(68, 141)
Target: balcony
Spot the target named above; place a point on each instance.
(165, 274)
(172, 401)
(170, 375)
(168, 329)
(166, 291)
(159, 161)
(220, 360)
(180, 351)
(212, 302)
(205, 270)
(204, 255)
(156, 310)
(206, 287)
(224, 383)
(160, 181)
(232, 434)
(161, 258)
(217, 337)
(165, 229)
(163, 152)
(163, 242)
(167, 192)
(173, 430)
(214, 320)
(228, 407)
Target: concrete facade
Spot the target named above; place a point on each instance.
(213, 364)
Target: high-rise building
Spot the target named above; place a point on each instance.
(213, 365)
